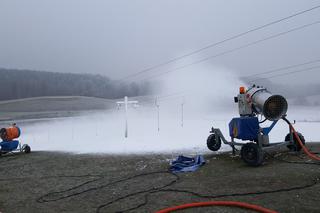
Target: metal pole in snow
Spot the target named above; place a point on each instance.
(126, 102)
(158, 109)
(126, 111)
(182, 119)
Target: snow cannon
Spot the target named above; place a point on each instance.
(10, 133)
(9, 144)
(258, 100)
(253, 103)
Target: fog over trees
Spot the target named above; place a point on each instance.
(15, 84)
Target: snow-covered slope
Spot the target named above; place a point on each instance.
(104, 131)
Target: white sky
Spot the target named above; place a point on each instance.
(116, 38)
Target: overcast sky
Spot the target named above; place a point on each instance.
(117, 38)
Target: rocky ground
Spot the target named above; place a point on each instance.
(62, 182)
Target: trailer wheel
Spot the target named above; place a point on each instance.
(295, 146)
(252, 154)
(212, 143)
(27, 149)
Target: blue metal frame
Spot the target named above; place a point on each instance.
(267, 130)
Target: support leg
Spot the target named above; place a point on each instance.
(233, 150)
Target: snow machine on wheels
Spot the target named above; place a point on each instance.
(253, 102)
(9, 144)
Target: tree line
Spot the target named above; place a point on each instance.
(16, 84)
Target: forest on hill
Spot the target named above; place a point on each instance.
(16, 84)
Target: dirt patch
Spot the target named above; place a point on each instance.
(60, 182)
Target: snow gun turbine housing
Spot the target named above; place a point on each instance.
(253, 102)
(258, 100)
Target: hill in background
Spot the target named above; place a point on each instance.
(17, 84)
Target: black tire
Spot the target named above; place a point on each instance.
(295, 146)
(27, 149)
(212, 143)
(252, 154)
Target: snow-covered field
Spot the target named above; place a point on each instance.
(208, 96)
(104, 132)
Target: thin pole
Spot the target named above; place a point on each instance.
(126, 112)
(158, 110)
(182, 114)
(126, 102)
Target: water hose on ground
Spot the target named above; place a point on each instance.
(304, 148)
(218, 203)
(241, 204)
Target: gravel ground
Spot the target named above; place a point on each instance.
(64, 182)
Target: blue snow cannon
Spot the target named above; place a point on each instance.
(252, 103)
(9, 144)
